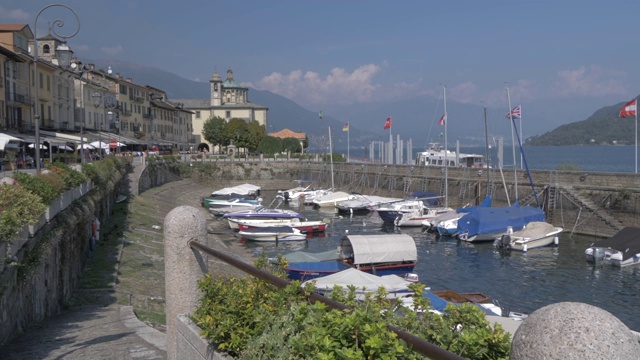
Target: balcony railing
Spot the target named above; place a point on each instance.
(18, 98)
(147, 116)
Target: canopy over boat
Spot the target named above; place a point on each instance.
(626, 241)
(301, 256)
(244, 189)
(361, 280)
(387, 248)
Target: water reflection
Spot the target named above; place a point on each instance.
(523, 281)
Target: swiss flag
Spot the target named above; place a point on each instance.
(629, 109)
(387, 125)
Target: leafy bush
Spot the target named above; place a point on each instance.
(72, 178)
(45, 186)
(101, 171)
(251, 319)
(18, 208)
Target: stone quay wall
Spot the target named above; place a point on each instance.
(38, 279)
(592, 203)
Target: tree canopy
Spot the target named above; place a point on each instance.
(220, 133)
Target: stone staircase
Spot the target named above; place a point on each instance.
(594, 210)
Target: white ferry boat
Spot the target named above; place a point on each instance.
(437, 155)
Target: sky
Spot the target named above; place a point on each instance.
(324, 53)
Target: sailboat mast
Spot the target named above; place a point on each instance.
(486, 145)
(513, 147)
(446, 151)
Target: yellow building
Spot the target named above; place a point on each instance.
(228, 100)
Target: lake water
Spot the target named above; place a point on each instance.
(584, 158)
(521, 281)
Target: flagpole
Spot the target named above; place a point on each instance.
(513, 146)
(348, 147)
(636, 136)
(331, 158)
(446, 149)
(390, 143)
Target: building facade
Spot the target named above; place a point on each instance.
(228, 100)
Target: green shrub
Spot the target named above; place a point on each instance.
(72, 178)
(251, 319)
(18, 208)
(39, 185)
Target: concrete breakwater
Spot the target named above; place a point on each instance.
(591, 203)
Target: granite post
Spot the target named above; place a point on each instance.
(183, 267)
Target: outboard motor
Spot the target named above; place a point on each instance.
(286, 196)
(504, 242)
(598, 254)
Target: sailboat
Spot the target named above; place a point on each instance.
(486, 224)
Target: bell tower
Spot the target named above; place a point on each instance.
(216, 89)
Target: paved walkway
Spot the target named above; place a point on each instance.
(89, 332)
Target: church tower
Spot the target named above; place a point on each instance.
(216, 89)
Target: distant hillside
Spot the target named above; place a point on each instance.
(604, 127)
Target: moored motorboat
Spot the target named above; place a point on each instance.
(386, 254)
(332, 199)
(487, 223)
(622, 249)
(306, 227)
(364, 204)
(273, 233)
(261, 213)
(535, 234)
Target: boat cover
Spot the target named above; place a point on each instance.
(535, 230)
(301, 256)
(386, 248)
(361, 280)
(484, 204)
(627, 241)
(490, 220)
(244, 189)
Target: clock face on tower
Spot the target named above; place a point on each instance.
(215, 94)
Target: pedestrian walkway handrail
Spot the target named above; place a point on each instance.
(419, 345)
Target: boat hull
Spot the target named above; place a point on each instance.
(312, 270)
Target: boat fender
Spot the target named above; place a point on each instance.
(524, 248)
(556, 240)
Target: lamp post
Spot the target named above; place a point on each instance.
(63, 54)
(96, 97)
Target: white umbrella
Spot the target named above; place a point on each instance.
(5, 139)
(85, 146)
(64, 147)
(41, 146)
(99, 144)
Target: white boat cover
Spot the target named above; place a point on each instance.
(333, 197)
(364, 282)
(535, 230)
(244, 189)
(387, 248)
(301, 256)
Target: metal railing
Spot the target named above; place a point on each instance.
(415, 343)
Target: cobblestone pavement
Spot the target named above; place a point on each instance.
(88, 332)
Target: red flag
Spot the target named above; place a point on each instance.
(387, 125)
(629, 109)
(443, 118)
(345, 127)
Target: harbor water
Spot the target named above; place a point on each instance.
(519, 281)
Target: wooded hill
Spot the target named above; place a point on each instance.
(604, 127)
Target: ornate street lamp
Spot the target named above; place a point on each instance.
(96, 98)
(63, 54)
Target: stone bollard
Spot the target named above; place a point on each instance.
(571, 330)
(183, 267)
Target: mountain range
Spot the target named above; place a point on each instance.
(414, 118)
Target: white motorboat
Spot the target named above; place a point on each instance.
(622, 249)
(364, 203)
(332, 199)
(273, 233)
(238, 203)
(261, 213)
(535, 234)
(418, 216)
